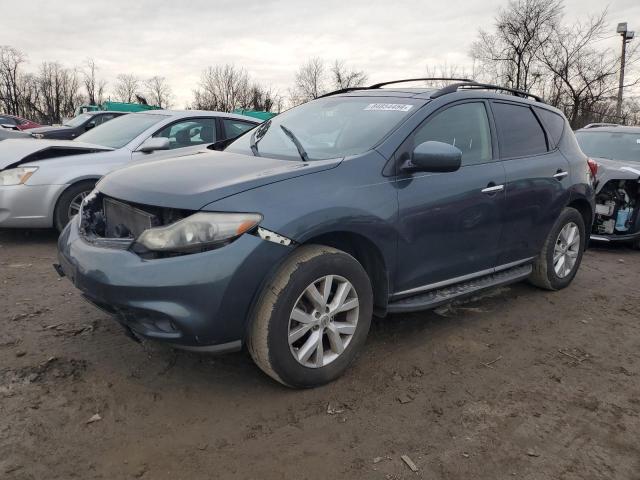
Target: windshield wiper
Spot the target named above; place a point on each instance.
(257, 135)
(296, 142)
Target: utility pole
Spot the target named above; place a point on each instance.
(626, 38)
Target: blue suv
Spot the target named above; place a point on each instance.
(363, 202)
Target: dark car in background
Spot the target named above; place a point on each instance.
(365, 201)
(16, 123)
(616, 150)
(76, 126)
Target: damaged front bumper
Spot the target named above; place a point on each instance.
(617, 216)
(196, 301)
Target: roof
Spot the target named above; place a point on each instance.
(609, 128)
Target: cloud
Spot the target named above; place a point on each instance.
(270, 39)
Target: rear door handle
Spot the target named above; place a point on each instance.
(560, 174)
(492, 188)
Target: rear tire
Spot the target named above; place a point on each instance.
(68, 203)
(289, 320)
(558, 262)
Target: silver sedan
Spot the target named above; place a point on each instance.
(42, 182)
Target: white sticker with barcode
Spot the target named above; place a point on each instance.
(393, 107)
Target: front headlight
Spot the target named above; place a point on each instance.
(198, 231)
(16, 176)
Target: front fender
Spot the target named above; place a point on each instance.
(353, 197)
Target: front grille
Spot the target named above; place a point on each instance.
(114, 223)
(125, 221)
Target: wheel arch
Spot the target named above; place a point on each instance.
(75, 181)
(585, 210)
(368, 254)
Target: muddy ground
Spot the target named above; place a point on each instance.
(522, 384)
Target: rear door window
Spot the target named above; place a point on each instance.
(234, 128)
(554, 124)
(519, 131)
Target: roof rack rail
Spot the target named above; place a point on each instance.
(406, 80)
(483, 86)
(426, 79)
(601, 124)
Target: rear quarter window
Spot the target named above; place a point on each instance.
(519, 131)
(554, 124)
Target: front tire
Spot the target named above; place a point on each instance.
(558, 262)
(312, 317)
(69, 203)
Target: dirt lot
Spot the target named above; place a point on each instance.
(521, 384)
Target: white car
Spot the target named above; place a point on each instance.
(43, 182)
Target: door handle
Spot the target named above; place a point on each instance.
(560, 174)
(492, 188)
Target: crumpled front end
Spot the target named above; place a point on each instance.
(617, 202)
(190, 300)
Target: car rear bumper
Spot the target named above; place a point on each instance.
(28, 206)
(193, 300)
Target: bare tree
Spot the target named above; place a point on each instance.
(583, 78)
(59, 92)
(11, 61)
(265, 99)
(158, 91)
(309, 81)
(446, 70)
(510, 53)
(94, 88)
(343, 77)
(126, 87)
(223, 88)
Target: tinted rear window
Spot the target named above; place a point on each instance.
(554, 124)
(519, 131)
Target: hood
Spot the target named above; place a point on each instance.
(615, 170)
(191, 182)
(58, 128)
(14, 152)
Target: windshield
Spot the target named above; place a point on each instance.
(613, 145)
(118, 132)
(331, 127)
(77, 121)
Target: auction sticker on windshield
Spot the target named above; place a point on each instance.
(396, 107)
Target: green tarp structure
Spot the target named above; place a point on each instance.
(255, 113)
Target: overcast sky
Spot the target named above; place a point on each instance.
(270, 39)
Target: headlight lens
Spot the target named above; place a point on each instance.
(198, 231)
(16, 176)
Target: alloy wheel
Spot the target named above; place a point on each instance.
(566, 250)
(74, 206)
(323, 321)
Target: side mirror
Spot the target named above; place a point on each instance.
(154, 143)
(89, 126)
(9, 126)
(434, 157)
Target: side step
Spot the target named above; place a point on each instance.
(435, 298)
